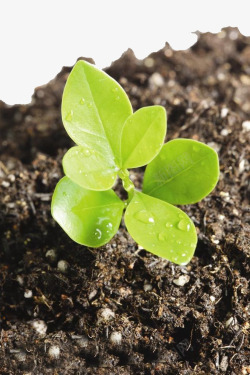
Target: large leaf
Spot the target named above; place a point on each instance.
(161, 228)
(94, 109)
(143, 136)
(89, 169)
(184, 172)
(89, 217)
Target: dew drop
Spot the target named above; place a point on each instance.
(161, 236)
(82, 101)
(183, 255)
(117, 98)
(64, 194)
(69, 116)
(115, 89)
(109, 226)
(86, 151)
(98, 233)
(145, 217)
(196, 148)
(169, 225)
(183, 225)
(90, 104)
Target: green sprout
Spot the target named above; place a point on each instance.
(111, 139)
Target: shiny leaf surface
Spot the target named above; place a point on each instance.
(94, 109)
(89, 217)
(184, 172)
(143, 136)
(89, 169)
(161, 228)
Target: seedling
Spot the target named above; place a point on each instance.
(111, 139)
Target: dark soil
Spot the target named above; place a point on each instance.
(116, 309)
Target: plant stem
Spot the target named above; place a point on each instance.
(127, 183)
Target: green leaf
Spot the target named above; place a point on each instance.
(143, 136)
(161, 228)
(89, 169)
(89, 217)
(184, 172)
(94, 109)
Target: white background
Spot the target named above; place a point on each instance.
(39, 37)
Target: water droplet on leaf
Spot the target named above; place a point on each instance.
(109, 226)
(69, 116)
(145, 217)
(86, 151)
(161, 236)
(90, 104)
(183, 225)
(169, 225)
(82, 101)
(196, 148)
(98, 233)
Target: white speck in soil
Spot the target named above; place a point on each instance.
(40, 326)
(28, 293)
(51, 256)
(224, 112)
(156, 80)
(224, 132)
(246, 126)
(182, 280)
(116, 338)
(63, 266)
(147, 287)
(54, 352)
(105, 315)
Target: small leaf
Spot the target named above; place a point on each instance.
(89, 217)
(161, 228)
(94, 109)
(143, 136)
(184, 172)
(89, 169)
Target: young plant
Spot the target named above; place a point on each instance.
(111, 139)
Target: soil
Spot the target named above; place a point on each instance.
(69, 309)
